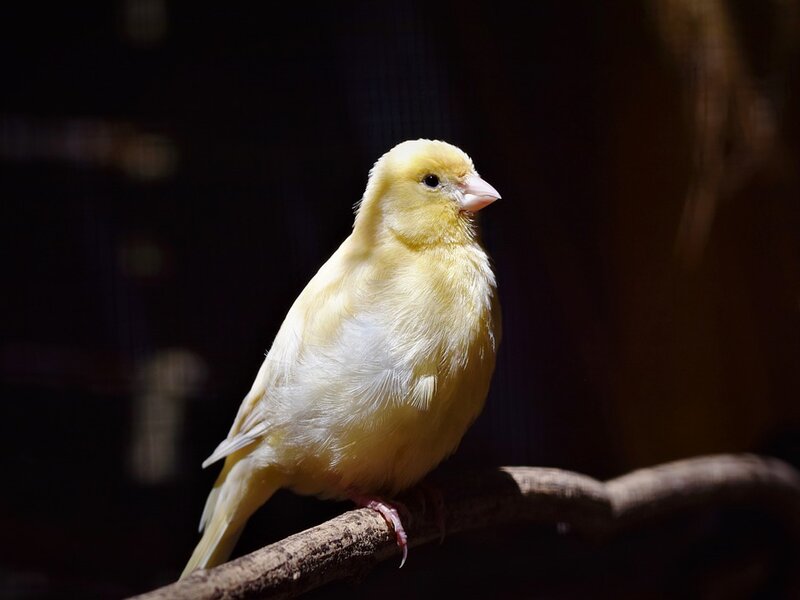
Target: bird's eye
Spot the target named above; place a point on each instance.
(430, 180)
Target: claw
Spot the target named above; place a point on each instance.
(391, 515)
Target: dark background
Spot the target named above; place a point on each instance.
(172, 175)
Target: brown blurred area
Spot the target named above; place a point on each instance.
(171, 176)
(702, 226)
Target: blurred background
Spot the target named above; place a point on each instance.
(171, 175)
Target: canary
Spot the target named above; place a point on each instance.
(383, 361)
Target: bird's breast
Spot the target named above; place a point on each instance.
(420, 358)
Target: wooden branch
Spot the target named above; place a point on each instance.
(352, 543)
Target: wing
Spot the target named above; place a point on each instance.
(247, 427)
(313, 321)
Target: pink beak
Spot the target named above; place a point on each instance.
(477, 194)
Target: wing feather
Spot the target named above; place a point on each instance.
(323, 302)
(231, 444)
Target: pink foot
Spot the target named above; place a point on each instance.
(389, 512)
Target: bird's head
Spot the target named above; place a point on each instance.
(424, 192)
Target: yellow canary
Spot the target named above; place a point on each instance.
(383, 361)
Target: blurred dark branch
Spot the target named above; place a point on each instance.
(734, 122)
(352, 543)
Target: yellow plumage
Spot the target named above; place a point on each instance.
(384, 359)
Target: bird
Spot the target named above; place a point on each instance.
(383, 361)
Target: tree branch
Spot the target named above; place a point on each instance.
(352, 543)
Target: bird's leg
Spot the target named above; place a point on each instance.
(389, 512)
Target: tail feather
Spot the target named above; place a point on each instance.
(237, 494)
(214, 547)
(208, 509)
